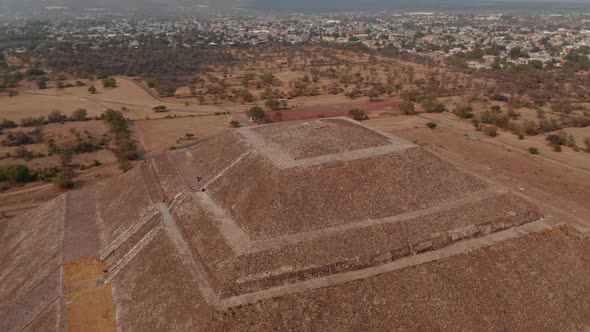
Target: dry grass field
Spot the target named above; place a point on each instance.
(329, 77)
(161, 134)
(65, 134)
(128, 96)
(329, 74)
(103, 156)
(558, 180)
(43, 103)
(511, 143)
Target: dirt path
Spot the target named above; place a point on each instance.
(23, 191)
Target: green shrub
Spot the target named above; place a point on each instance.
(273, 103)
(256, 112)
(433, 106)
(7, 124)
(491, 131)
(497, 119)
(431, 125)
(530, 127)
(407, 107)
(464, 112)
(414, 95)
(16, 172)
(65, 179)
(499, 97)
(22, 152)
(56, 117)
(558, 139)
(235, 124)
(86, 147)
(46, 174)
(357, 114)
(125, 165)
(80, 115)
(42, 83)
(31, 122)
(166, 91)
(546, 126)
(127, 146)
(109, 82)
(533, 150)
(18, 138)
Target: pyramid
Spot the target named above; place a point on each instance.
(258, 227)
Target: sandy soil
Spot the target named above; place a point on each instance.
(161, 134)
(89, 303)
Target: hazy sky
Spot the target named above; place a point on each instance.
(395, 4)
(288, 5)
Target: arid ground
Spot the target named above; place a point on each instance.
(558, 181)
(317, 85)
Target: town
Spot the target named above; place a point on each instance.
(228, 168)
(474, 40)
